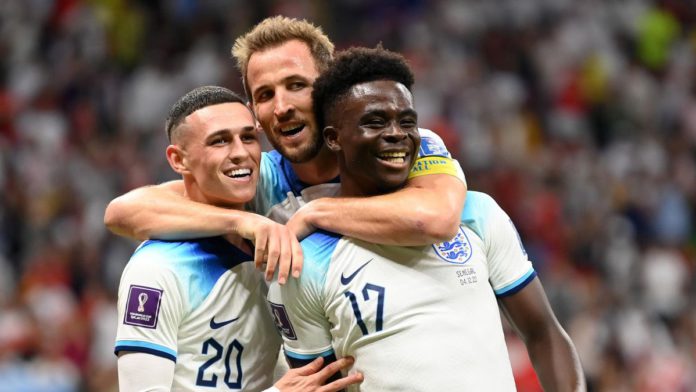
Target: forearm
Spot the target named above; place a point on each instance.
(162, 212)
(556, 362)
(419, 214)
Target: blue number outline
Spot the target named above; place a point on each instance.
(228, 372)
(201, 370)
(219, 351)
(380, 290)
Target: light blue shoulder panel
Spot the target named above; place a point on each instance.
(318, 249)
(476, 208)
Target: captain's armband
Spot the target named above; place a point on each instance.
(435, 165)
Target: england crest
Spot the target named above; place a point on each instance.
(455, 251)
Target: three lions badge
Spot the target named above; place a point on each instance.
(455, 251)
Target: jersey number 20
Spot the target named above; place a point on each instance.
(366, 296)
(201, 380)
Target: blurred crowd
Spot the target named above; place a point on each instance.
(579, 117)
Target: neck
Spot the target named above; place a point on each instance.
(350, 188)
(320, 169)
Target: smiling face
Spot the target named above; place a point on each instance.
(375, 135)
(280, 84)
(217, 152)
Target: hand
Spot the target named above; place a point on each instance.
(275, 245)
(299, 223)
(311, 377)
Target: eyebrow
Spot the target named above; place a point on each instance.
(284, 80)
(380, 112)
(220, 132)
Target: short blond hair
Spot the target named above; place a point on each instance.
(275, 31)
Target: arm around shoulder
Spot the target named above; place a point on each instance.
(428, 210)
(164, 212)
(131, 214)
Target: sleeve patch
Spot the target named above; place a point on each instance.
(142, 306)
(433, 165)
(282, 321)
(430, 147)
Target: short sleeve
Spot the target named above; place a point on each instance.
(434, 158)
(298, 306)
(509, 268)
(300, 319)
(150, 309)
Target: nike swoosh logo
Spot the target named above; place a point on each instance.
(221, 324)
(347, 279)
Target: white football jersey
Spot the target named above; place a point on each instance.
(200, 303)
(414, 318)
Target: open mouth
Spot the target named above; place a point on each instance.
(393, 157)
(291, 130)
(239, 173)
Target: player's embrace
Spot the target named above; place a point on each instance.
(420, 318)
(192, 314)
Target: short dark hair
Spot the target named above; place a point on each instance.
(196, 99)
(354, 66)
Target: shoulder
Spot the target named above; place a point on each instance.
(196, 265)
(432, 144)
(320, 244)
(478, 211)
(174, 253)
(318, 249)
(272, 157)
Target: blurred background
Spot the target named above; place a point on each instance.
(579, 117)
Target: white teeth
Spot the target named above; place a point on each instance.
(393, 157)
(393, 154)
(239, 173)
(289, 128)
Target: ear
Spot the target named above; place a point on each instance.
(331, 139)
(176, 157)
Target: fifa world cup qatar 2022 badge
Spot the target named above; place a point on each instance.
(282, 321)
(142, 306)
(457, 250)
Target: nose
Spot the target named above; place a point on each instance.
(238, 151)
(283, 107)
(394, 132)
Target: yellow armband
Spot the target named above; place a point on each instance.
(434, 165)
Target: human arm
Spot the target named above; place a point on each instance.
(427, 210)
(162, 211)
(553, 355)
(521, 296)
(140, 372)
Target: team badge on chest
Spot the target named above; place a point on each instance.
(457, 250)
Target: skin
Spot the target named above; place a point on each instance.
(377, 119)
(378, 116)
(281, 80)
(425, 211)
(211, 145)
